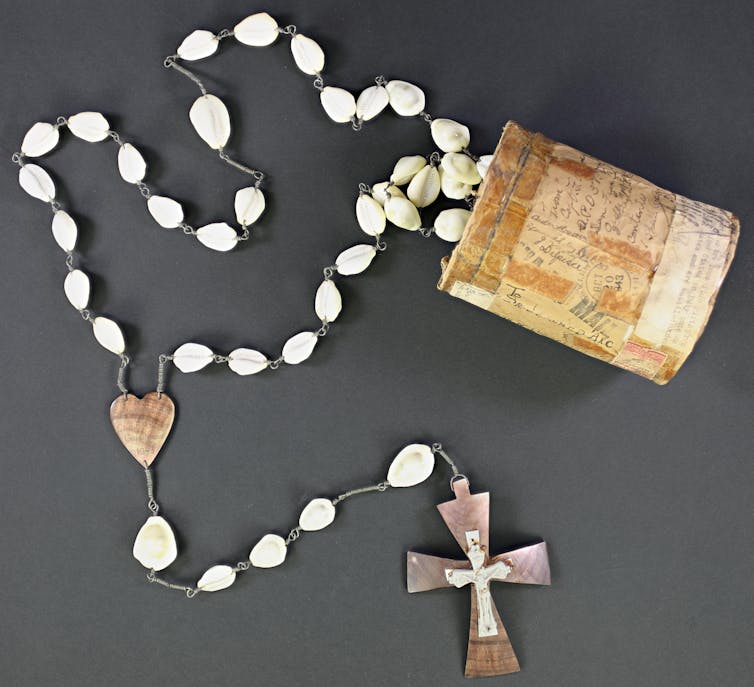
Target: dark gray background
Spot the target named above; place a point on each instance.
(644, 493)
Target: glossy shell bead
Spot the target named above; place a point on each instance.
(247, 361)
(268, 552)
(218, 236)
(77, 289)
(380, 191)
(406, 99)
(370, 215)
(249, 204)
(450, 136)
(460, 168)
(299, 347)
(154, 546)
(317, 514)
(483, 164)
(36, 182)
(411, 466)
(449, 224)
(198, 45)
(402, 213)
(407, 168)
(424, 187)
(109, 335)
(327, 301)
(257, 29)
(168, 213)
(371, 102)
(191, 357)
(40, 139)
(64, 230)
(89, 126)
(307, 54)
(355, 259)
(131, 164)
(211, 120)
(455, 190)
(338, 103)
(216, 578)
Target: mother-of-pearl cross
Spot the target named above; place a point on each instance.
(467, 517)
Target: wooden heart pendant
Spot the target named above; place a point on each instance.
(143, 424)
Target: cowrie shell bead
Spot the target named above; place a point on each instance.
(216, 578)
(483, 164)
(455, 190)
(89, 126)
(355, 259)
(249, 204)
(268, 552)
(36, 182)
(191, 357)
(370, 215)
(299, 347)
(64, 230)
(40, 139)
(449, 135)
(168, 213)
(109, 335)
(131, 164)
(449, 224)
(461, 168)
(380, 191)
(154, 546)
(327, 301)
(246, 361)
(407, 168)
(198, 45)
(406, 99)
(411, 466)
(317, 514)
(338, 103)
(257, 30)
(307, 54)
(77, 288)
(371, 102)
(424, 187)
(218, 236)
(402, 213)
(211, 120)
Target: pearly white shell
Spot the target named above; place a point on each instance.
(338, 103)
(218, 236)
(380, 191)
(355, 259)
(36, 182)
(405, 98)
(307, 54)
(249, 205)
(327, 301)
(216, 578)
(191, 357)
(108, 335)
(90, 126)
(449, 224)
(461, 168)
(424, 187)
(131, 164)
(154, 546)
(370, 215)
(411, 466)
(483, 164)
(77, 288)
(299, 347)
(247, 361)
(402, 213)
(455, 190)
(198, 45)
(167, 212)
(257, 29)
(40, 139)
(371, 102)
(407, 168)
(449, 135)
(211, 120)
(317, 515)
(268, 552)
(64, 230)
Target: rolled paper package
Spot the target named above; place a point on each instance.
(591, 255)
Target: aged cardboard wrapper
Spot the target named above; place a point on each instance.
(592, 256)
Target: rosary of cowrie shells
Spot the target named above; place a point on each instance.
(143, 424)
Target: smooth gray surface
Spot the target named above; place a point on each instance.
(644, 493)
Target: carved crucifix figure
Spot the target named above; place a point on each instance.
(467, 517)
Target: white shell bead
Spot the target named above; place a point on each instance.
(247, 361)
(299, 347)
(154, 546)
(407, 168)
(211, 120)
(249, 205)
(198, 45)
(402, 213)
(461, 168)
(449, 224)
(257, 30)
(380, 191)
(455, 190)
(40, 139)
(90, 126)
(371, 102)
(108, 335)
(411, 466)
(405, 98)
(450, 136)
(77, 288)
(216, 578)
(307, 54)
(317, 515)
(327, 301)
(483, 164)
(370, 215)
(339, 104)
(355, 259)
(218, 236)
(167, 212)
(131, 164)
(268, 552)
(36, 182)
(424, 187)
(64, 230)
(191, 357)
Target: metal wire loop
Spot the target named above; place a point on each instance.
(319, 83)
(380, 80)
(289, 30)
(356, 123)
